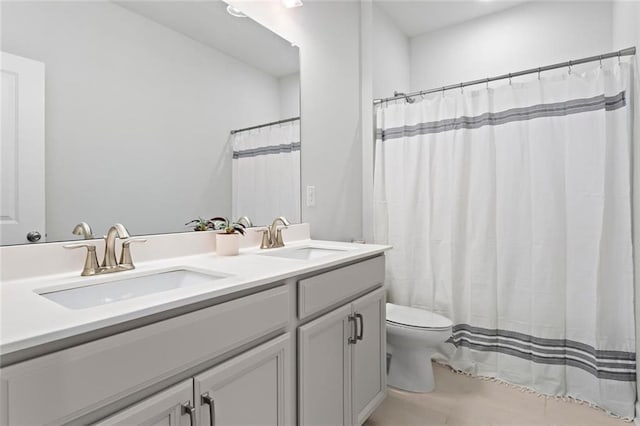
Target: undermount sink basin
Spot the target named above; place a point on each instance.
(116, 290)
(304, 253)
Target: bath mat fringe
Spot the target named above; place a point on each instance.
(525, 389)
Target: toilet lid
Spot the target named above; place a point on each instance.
(415, 317)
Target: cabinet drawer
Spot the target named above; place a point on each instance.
(58, 387)
(334, 287)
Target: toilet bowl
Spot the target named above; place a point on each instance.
(412, 336)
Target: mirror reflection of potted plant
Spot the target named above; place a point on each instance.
(228, 241)
(200, 224)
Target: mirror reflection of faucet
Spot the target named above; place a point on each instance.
(246, 221)
(109, 262)
(83, 229)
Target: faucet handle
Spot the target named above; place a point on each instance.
(126, 262)
(128, 241)
(279, 242)
(91, 266)
(266, 238)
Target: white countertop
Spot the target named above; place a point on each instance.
(29, 319)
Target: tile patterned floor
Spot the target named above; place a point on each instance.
(462, 400)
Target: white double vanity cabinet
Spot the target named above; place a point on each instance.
(291, 342)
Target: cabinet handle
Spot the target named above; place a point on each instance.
(189, 409)
(354, 330)
(361, 333)
(206, 399)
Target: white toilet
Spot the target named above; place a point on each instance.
(412, 336)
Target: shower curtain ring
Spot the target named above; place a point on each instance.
(619, 56)
(570, 63)
(509, 79)
(443, 92)
(461, 86)
(539, 73)
(600, 59)
(487, 82)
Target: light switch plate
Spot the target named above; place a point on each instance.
(311, 196)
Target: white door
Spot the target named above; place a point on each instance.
(324, 370)
(252, 389)
(369, 376)
(170, 407)
(22, 209)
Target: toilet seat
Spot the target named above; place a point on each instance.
(417, 319)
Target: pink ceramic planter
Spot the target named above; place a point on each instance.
(227, 244)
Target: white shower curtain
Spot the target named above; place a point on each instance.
(509, 211)
(266, 173)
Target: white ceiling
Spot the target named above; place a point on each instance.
(209, 23)
(415, 17)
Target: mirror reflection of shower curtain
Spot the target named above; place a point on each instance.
(266, 173)
(509, 211)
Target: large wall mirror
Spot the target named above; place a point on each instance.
(146, 106)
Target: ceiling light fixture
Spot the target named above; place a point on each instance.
(235, 12)
(291, 3)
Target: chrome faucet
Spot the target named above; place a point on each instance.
(110, 263)
(272, 236)
(276, 234)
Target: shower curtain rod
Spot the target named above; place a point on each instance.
(273, 123)
(624, 52)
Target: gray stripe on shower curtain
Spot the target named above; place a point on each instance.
(267, 150)
(559, 109)
(612, 365)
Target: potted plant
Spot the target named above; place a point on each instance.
(227, 242)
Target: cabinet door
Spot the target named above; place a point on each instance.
(369, 355)
(324, 370)
(251, 389)
(165, 408)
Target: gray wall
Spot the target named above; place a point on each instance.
(391, 56)
(526, 36)
(137, 115)
(289, 95)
